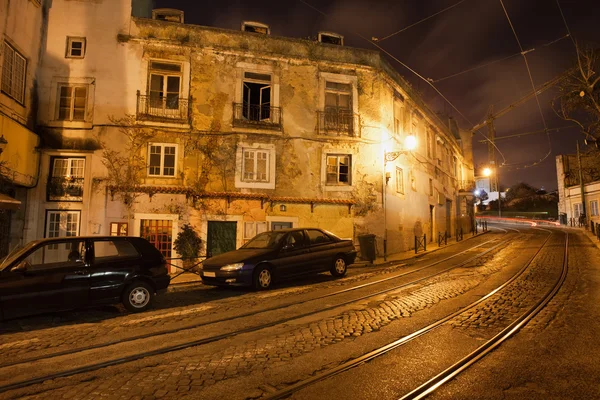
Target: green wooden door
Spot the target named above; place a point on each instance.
(220, 237)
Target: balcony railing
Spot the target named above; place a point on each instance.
(251, 115)
(466, 186)
(65, 189)
(162, 108)
(338, 122)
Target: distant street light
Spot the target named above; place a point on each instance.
(488, 172)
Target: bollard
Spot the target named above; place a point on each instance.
(446, 237)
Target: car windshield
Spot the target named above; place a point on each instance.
(14, 254)
(265, 240)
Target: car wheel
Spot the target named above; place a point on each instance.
(263, 278)
(339, 267)
(138, 296)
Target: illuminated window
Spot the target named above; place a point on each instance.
(162, 159)
(75, 47)
(577, 210)
(67, 176)
(118, 229)
(13, 73)
(339, 169)
(159, 233)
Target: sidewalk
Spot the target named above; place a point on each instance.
(397, 258)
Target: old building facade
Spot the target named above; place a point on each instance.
(21, 34)
(150, 124)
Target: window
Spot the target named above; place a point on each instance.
(594, 208)
(167, 14)
(66, 179)
(413, 181)
(119, 229)
(399, 180)
(256, 104)
(317, 237)
(62, 223)
(338, 97)
(75, 47)
(164, 87)
(72, 102)
(13, 73)
(109, 249)
(429, 144)
(161, 159)
(252, 229)
(159, 233)
(430, 187)
(57, 255)
(577, 210)
(256, 27)
(338, 169)
(331, 38)
(255, 166)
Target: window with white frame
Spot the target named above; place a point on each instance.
(255, 165)
(253, 228)
(75, 47)
(14, 70)
(594, 208)
(62, 223)
(577, 210)
(339, 169)
(399, 180)
(66, 179)
(72, 102)
(164, 85)
(162, 159)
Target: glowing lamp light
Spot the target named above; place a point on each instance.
(477, 192)
(410, 143)
(487, 172)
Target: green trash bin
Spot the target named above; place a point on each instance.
(367, 247)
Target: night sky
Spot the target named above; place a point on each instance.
(469, 35)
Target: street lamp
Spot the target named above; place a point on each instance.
(410, 143)
(488, 172)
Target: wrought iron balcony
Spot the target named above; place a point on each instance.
(251, 115)
(64, 188)
(162, 108)
(338, 122)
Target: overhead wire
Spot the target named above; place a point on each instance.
(418, 22)
(518, 135)
(416, 74)
(524, 53)
(495, 61)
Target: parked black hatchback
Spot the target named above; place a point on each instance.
(73, 272)
(278, 254)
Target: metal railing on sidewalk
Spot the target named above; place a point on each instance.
(186, 269)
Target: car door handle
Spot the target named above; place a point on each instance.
(79, 273)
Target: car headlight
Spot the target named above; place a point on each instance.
(232, 267)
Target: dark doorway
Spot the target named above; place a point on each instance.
(220, 237)
(430, 233)
(449, 217)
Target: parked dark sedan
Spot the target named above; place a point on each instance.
(66, 273)
(278, 254)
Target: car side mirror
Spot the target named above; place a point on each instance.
(23, 267)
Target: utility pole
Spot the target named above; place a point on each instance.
(581, 183)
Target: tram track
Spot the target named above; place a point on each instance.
(458, 367)
(198, 342)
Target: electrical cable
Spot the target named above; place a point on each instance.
(416, 74)
(533, 86)
(566, 25)
(494, 62)
(518, 135)
(417, 23)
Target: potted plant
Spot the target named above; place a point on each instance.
(187, 244)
